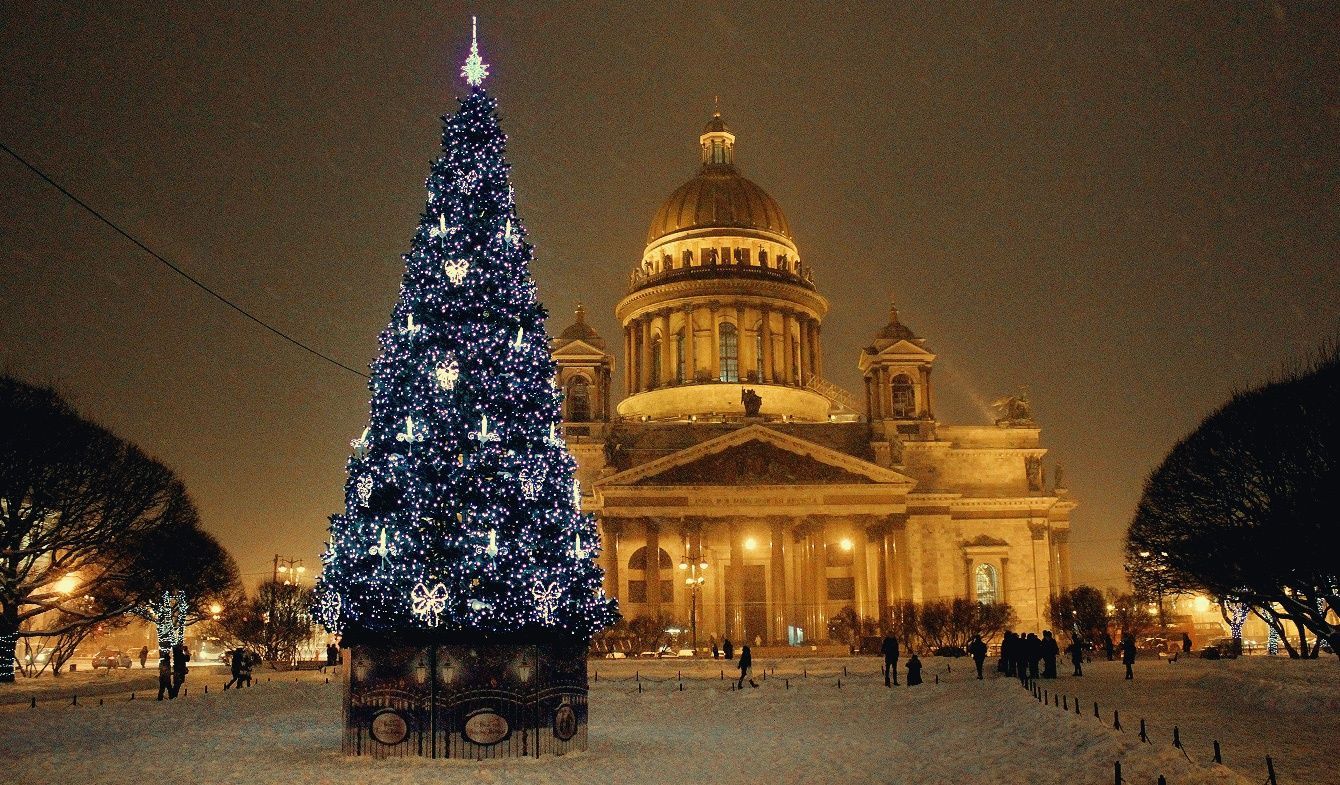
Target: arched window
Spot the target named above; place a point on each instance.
(656, 370)
(638, 561)
(729, 353)
(679, 356)
(758, 351)
(904, 397)
(986, 581)
(578, 400)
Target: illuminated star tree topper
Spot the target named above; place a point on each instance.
(475, 69)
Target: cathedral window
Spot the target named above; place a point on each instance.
(578, 400)
(657, 373)
(729, 353)
(640, 575)
(679, 356)
(986, 581)
(904, 397)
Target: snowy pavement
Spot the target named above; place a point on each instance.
(1253, 706)
(288, 730)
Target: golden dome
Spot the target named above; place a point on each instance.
(719, 196)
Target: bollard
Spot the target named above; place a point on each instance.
(839, 682)
(1162, 781)
(937, 678)
(639, 688)
(132, 695)
(723, 674)
(804, 673)
(637, 676)
(679, 675)
(1270, 771)
(788, 683)
(1143, 736)
(1065, 703)
(1095, 710)
(99, 701)
(1117, 779)
(681, 686)
(207, 686)
(74, 700)
(1116, 720)
(1076, 707)
(597, 676)
(327, 681)
(1045, 697)
(1177, 737)
(1218, 758)
(844, 670)
(1056, 701)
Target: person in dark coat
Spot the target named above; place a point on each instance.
(181, 654)
(165, 679)
(746, 663)
(1128, 654)
(1050, 651)
(889, 648)
(1186, 643)
(716, 650)
(727, 649)
(913, 670)
(332, 655)
(237, 663)
(1076, 652)
(1109, 647)
(977, 649)
(1033, 654)
(1003, 664)
(144, 656)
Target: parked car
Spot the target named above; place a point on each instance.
(111, 658)
(1221, 648)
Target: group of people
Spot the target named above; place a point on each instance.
(889, 648)
(171, 670)
(1030, 657)
(240, 663)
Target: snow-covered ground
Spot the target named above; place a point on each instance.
(287, 730)
(1253, 706)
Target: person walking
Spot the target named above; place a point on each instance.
(889, 648)
(165, 679)
(181, 654)
(913, 670)
(746, 663)
(716, 650)
(1076, 652)
(144, 656)
(727, 649)
(332, 655)
(1007, 653)
(237, 662)
(1186, 643)
(977, 648)
(1109, 647)
(1128, 654)
(1050, 651)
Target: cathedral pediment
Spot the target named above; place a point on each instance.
(757, 456)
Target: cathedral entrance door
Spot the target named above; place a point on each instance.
(753, 606)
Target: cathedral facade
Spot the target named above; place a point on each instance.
(739, 491)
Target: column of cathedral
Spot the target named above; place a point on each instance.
(780, 607)
(690, 362)
(609, 555)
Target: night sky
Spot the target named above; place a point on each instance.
(1131, 209)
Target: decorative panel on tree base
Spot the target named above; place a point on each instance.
(465, 701)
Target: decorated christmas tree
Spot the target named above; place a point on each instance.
(462, 519)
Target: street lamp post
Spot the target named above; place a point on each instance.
(695, 574)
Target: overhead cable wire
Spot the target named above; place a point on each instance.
(178, 270)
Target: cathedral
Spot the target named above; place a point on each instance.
(739, 491)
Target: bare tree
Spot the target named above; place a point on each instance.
(1082, 612)
(1239, 507)
(74, 502)
(275, 621)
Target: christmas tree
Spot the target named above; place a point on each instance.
(462, 519)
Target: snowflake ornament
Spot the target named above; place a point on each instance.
(363, 488)
(329, 609)
(546, 600)
(447, 373)
(455, 270)
(468, 182)
(475, 69)
(427, 603)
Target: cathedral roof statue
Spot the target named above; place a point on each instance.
(718, 196)
(580, 331)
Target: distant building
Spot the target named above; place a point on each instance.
(802, 498)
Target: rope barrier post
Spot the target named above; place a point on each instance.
(1095, 710)
(639, 688)
(207, 686)
(788, 683)
(1177, 737)
(1065, 703)
(844, 670)
(637, 676)
(1270, 771)
(681, 686)
(1076, 707)
(1117, 779)
(74, 700)
(839, 682)
(1218, 757)
(34, 703)
(1116, 720)
(937, 678)
(132, 695)
(99, 701)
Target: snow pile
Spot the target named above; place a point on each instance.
(959, 731)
